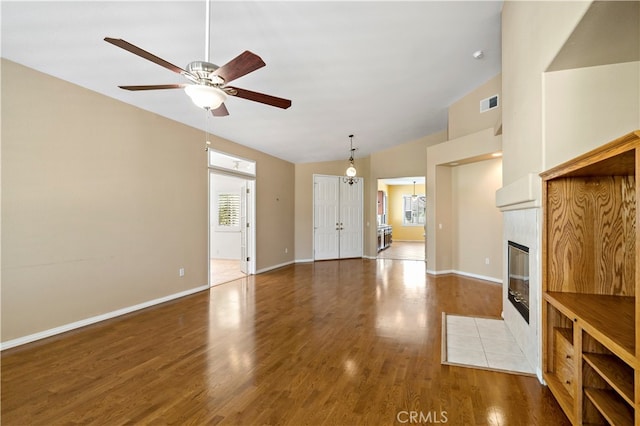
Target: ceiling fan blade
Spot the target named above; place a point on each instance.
(154, 87)
(144, 54)
(221, 111)
(241, 65)
(259, 97)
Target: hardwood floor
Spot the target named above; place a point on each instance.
(337, 342)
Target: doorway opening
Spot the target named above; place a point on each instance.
(401, 218)
(231, 218)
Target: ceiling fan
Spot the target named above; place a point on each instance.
(207, 86)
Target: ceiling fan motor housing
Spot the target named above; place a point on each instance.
(204, 71)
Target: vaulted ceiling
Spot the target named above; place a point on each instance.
(385, 71)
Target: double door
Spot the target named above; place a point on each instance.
(338, 218)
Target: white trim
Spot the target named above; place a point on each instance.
(251, 218)
(270, 268)
(98, 318)
(232, 171)
(479, 277)
(303, 261)
(465, 274)
(443, 272)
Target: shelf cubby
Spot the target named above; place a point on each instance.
(613, 371)
(615, 411)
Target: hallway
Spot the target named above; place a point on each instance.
(404, 250)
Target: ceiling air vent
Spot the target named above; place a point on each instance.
(489, 103)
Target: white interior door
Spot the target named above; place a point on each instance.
(326, 204)
(338, 210)
(351, 205)
(244, 267)
(248, 230)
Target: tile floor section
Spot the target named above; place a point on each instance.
(482, 343)
(224, 270)
(403, 250)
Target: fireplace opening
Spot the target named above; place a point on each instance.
(518, 272)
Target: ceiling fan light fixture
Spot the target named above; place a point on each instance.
(204, 96)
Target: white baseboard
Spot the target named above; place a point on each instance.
(443, 272)
(98, 318)
(270, 268)
(479, 277)
(466, 274)
(313, 260)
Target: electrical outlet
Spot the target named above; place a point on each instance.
(486, 260)
(181, 272)
(286, 250)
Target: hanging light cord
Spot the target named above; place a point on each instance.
(351, 150)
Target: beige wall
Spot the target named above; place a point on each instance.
(407, 159)
(102, 203)
(473, 137)
(442, 226)
(395, 202)
(465, 116)
(532, 33)
(275, 212)
(477, 230)
(587, 107)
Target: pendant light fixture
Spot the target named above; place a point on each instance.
(351, 172)
(414, 196)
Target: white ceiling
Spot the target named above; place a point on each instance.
(384, 71)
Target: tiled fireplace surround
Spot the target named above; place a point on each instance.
(522, 224)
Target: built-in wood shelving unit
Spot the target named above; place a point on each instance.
(591, 338)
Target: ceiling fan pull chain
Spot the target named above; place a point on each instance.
(207, 142)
